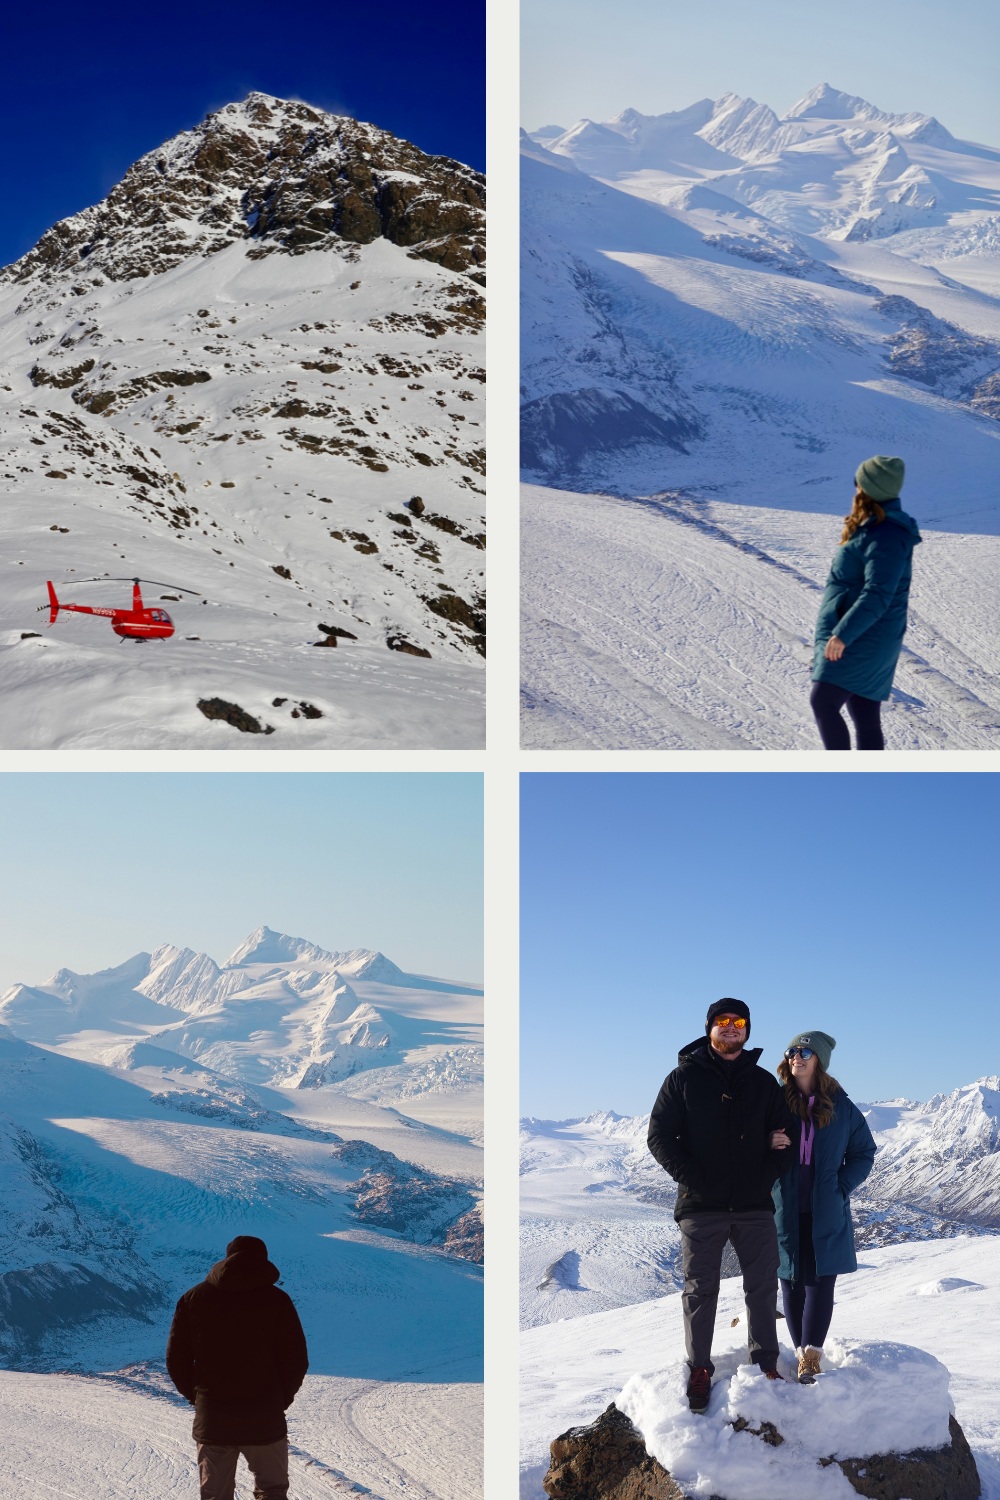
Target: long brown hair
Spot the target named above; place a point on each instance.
(824, 1089)
(864, 509)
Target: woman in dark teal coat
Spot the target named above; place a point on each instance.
(862, 615)
(833, 1151)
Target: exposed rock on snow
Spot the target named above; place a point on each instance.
(425, 1208)
(608, 1460)
(282, 175)
(238, 1108)
(337, 275)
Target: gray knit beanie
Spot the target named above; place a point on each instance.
(820, 1043)
(881, 477)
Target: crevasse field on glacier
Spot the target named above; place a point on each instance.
(723, 314)
(325, 1101)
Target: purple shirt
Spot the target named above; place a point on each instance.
(806, 1168)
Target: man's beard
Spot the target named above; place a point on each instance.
(726, 1048)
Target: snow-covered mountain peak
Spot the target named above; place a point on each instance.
(292, 302)
(280, 173)
(264, 946)
(826, 103)
(76, 986)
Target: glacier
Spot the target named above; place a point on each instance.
(722, 314)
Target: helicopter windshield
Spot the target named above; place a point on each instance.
(161, 614)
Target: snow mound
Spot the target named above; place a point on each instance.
(872, 1397)
(947, 1284)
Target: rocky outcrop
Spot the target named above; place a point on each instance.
(409, 1201)
(280, 176)
(608, 1461)
(938, 354)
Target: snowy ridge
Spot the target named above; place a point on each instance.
(280, 1013)
(598, 1232)
(217, 246)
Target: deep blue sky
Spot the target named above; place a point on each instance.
(99, 866)
(89, 89)
(591, 58)
(864, 905)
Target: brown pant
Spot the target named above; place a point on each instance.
(268, 1465)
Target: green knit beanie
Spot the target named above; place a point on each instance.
(881, 478)
(820, 1043)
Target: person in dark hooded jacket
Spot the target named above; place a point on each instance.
(719, 1128)
(236, 1350)
(862, 615)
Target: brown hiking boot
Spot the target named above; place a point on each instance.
(699, 1386)
(809, 1364)
(773, 1375)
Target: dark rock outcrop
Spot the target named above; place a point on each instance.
(608, 1461)
(218, 708)
(282, 177)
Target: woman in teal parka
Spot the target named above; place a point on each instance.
(862, 615)
(832, 1154)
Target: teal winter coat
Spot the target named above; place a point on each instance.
(864, 604)
(843, 1152)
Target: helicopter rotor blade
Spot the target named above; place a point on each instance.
(157, 582)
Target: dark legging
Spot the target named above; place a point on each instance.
(827, 700)
(808, 1302)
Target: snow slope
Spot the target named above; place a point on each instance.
(675, 622)
(154, 1110)
(936, 1296)
(309, 289)
(127, 1433)
(597, 1225)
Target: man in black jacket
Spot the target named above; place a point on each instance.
(237, 1352)
(719, 1128)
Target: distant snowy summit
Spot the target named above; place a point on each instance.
(281, 1011)
(266, 947)
(281, 176)
(833, 164)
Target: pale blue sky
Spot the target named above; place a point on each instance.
(591, 58)
(100, 866)
(861, 905)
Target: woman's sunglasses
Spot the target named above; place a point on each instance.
(804, 1052)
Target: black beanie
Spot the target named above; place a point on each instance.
(727, 1007)
(248, 1243)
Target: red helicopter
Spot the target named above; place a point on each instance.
(135, 624)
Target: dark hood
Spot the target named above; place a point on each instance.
(894, 512)
(700, 1052)
(242, 1272)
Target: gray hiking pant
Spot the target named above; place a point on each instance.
(268, 1465)
(755, 1240)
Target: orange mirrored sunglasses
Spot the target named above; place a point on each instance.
(729, 1021)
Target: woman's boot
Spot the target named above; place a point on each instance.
(808, 1364)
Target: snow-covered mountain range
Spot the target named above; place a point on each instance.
(723, 314)
(597, 1210)
(324, 1100)
(217, 246)
(720, 299)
